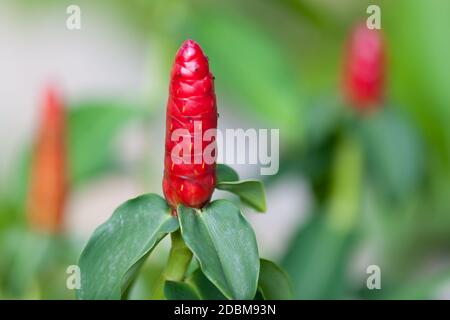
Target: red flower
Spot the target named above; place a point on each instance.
(364, 68)
(191, 106)
(48, 181)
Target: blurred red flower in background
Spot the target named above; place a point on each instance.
(48, 179)
(364, 68)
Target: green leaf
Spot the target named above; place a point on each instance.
(225, 245)
(316, 260)
(395, 153)
(323, 118)
(175, 290)
(251, 192)
(205, 289)
(92, 128)
(225, 173)
(119, 246)
(273, 282)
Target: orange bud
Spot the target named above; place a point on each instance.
(48, 180)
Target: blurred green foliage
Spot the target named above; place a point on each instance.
(33, 264)
(277, 64)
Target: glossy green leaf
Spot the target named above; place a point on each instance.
(205, 289)
(251, 192)
(118, 247)
(175, 290)
(225, 245)
(273, 282)
(225, 173)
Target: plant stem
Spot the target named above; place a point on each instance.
(346, 186)
(179, 259)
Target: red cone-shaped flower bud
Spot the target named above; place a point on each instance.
(364, 68)
(191, 111)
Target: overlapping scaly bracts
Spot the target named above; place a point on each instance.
(191, 106)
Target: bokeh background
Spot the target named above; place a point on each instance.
(277, 65)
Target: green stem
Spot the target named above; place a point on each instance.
(347, 175)
(179, 259)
